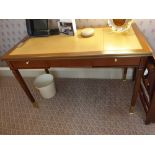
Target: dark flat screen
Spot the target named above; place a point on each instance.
(40, 24)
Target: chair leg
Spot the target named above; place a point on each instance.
(134, 74)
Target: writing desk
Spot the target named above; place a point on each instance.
(104, 49)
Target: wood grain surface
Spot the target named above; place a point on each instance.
(105, 42)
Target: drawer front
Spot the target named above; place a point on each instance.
(71, 63)
(30, 64)
(97, 62)
(116, 62)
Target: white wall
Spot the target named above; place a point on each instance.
(96, 73)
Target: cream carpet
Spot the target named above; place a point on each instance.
(81, 106)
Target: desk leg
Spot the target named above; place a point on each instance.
(125, 73)
(47, 71)
(139, 74)
(24, 86)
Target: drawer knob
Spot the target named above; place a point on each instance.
(27, 62)
(115, 60)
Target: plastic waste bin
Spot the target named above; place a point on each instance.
(46, 86)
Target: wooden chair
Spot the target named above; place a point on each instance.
(147, 91)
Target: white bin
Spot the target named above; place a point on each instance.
(46, 86)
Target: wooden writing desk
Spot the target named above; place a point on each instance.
(104, 49)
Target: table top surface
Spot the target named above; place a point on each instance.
(104, 42)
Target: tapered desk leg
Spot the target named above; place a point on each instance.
(47, 71)
(24, 86)
(139, 74)
(125, 73)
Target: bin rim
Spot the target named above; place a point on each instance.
(37, 81)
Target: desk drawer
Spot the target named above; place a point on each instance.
(120, 62)
(97, 62)
(30, 64)
(71, 63)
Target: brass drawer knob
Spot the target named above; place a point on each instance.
(115, 60)
(27, 62)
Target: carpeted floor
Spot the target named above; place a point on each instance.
(81, 106)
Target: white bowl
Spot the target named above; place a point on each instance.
(87, 32)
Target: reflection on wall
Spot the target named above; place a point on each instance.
(13, 30)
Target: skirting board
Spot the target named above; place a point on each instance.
(94, 73)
